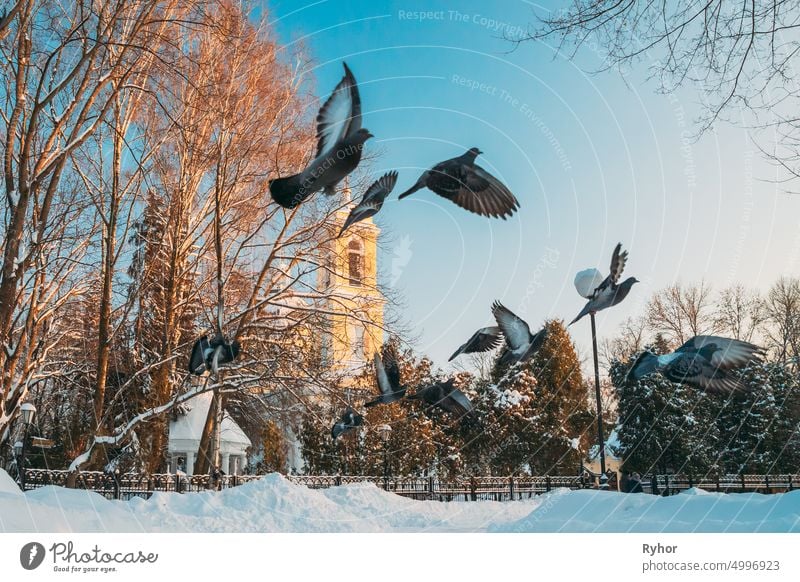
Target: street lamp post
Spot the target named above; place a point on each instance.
(27, 412)
(600, 438)
(385, 431)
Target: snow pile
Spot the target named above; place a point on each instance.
(273, 504)
(695, 510)
(7, 485)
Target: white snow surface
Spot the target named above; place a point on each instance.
(273, 504)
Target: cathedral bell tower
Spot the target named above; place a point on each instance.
(350, 281)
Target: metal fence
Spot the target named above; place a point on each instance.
(127, 485)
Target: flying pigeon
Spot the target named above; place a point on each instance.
(610, 291)
(348, 421)
(521, 345)
(387, 372)
(209, 355)
(483, 340)
(446, 396)
(703, 362)
(372, 201)
(340, 142)
(462, 181)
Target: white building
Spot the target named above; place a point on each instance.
(185, 433)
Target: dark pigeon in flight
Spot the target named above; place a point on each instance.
(348, 421)
(210, 354)
(387, 373)
(521, 344)
(483, 340)
(447, 397)
(704, 362)
(610, 291)
(464, 182)
(340, 142)
(372, 201)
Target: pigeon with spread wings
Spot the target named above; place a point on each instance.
(372, 201)
(704, 362)
(387, 373)
(445, 396)
(521, 344)
(210, 354)
(609, 292)
(340, 143)
(465, 183)
(347, 422)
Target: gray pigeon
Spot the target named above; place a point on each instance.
(521, 344)
(340, 142)
(462, 181)
(447, 397)
(609, 292)
(348, 421)
(387, 373)
(703, 362)
(372, 201)
(483, 340)
(210, 354)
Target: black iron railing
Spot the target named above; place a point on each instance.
(127, 485)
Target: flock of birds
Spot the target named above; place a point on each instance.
(705, 362)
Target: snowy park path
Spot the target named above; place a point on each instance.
(273, 504)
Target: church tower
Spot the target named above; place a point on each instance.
(355, 325)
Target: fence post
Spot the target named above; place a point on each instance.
(430, 487)
(654, 484)
(766, 482)
(791, 485)
(547, 482)
(691, 483)
(666, 485)
(337, 480)
(511, 487)
(717, 482)
(742, 478)
(178, 483)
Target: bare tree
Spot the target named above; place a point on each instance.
(741, 55)
(681, 312)
(782, 311)
(631, 338)
(62, 68)
(739, 313)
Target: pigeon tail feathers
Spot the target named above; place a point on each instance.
(289, 191)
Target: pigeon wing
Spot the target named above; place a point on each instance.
(587, 281)
(380, 375)
(618, 260)
(515, 329)
(197, 360)
(361, 212)
(483, 340)
(456, 402)
(483, 194)
(727, 353)
(380, 189)
(695, 370)
(340, 116)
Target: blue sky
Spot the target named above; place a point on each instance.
(593, 158)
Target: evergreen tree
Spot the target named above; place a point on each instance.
(664, 427)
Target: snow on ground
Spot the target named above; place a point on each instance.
(273, 504)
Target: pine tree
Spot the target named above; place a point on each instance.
(664, 427)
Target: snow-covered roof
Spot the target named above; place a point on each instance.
(185, 432)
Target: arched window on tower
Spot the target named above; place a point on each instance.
(355, 261)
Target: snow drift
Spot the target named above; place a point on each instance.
(273, 504)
